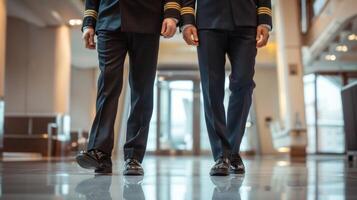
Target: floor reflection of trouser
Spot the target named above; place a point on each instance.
(240, 46)
(112, 50)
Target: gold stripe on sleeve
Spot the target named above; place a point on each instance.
(91, 13)
(264, 10)
(187, 10)
(172, 5)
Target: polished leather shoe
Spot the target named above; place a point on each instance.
(237, 166)
(221, 168)
(133, 167)
(95, 159)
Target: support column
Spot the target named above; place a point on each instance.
(291, 134)
(38, 64)
(2, 68)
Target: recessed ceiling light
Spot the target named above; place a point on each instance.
(75, 22)
(284, 149)
(341, 48)
(330, 57)
(352, 37)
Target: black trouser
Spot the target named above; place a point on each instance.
(240, 46)
(112, 50)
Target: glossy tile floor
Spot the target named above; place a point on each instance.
(179, 178)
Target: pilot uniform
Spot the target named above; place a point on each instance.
(126, 27)
(226, 27)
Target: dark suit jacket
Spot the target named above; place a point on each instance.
(138, 16)
(226, 14)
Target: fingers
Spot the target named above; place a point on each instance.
(262, 37)
(259, 34)
(88, 37)
(171, 30)
(190, 36)
(164, 27)
(186, 37)
(86, 40)
(91, 41)
(259, 38)
(195, 36)
(168, 28)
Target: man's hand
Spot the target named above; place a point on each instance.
(190, 35)
(168, 27)
(88, 37)
(262, 36)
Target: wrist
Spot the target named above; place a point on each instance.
(85, 28)
(172, 19)
(184, 27)
(266, 26)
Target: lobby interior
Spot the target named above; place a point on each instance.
(301, 134)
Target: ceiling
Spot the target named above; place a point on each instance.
(328, 44)
(45, 12)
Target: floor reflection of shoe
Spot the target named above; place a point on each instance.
(237, 181)
(95, 188)
(133, 188)
(226, 188)
(221, 182)
(136, 180)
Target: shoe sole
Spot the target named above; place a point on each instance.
(237, 171)
(86, 162)
(133, 173)
(103, 171)
(219, 173)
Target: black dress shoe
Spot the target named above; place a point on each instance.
(133, 168)
(221, 168)
(94, 159)
(237, 166)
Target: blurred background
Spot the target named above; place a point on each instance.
(48, 85)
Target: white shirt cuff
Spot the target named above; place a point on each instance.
(266, 25)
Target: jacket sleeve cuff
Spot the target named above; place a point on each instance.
(188, 16)
(172, 10)
(90, 18)
(89, 22)
(265, 16)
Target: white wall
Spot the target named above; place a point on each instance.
(37, 69)
(83, 96)
(2, 44)
(266, 103)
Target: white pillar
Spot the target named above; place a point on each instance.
(290, 71)
(38, 69)
(2, 67)
(2, 45)
(62, 74)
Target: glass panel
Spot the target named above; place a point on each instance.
(318, 5)
(352, 80)
(309, 97)
(330, 116)
(176, 115)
